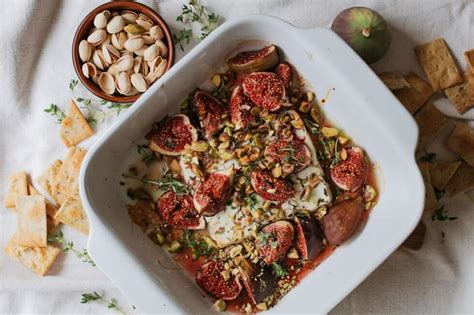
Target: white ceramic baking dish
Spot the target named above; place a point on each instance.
(358, 102)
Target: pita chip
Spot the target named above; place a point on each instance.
(414, 97)
(461, 141)
(438, 64)
(72, 213)
(462, 95)
(18, 186)
(31, 221)
(461, 182)
(74, 127)
(38, 259)
(469, 55)
(46, 181)
(394, 80)
(431, 203)
(67, 180)
(50, 210)
(430, 120)
(441, 173)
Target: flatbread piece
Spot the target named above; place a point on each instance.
(74, 127)
(414, 97)
(67, 179)
(462, 95)
(461, 182)
(438, 64)
(469, 55)
(46, 181)
(51, 210)
(394, 80)
(441, 173)
(72, 213)
(461, 141)
(430, 120)
(18, 186)
(31, 222)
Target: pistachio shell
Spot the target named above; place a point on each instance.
(148, 39)
(137, 64)
(134, 43)
(96, 37)
(111, 54)
(97, 60)
(133, 91)
(156, 32)
(85, 50)
(163, 48)
(139, 82)
(129, 16)
(141, 51)
(124, 63)
(151, 53)
(107, 83)
(157, 70)
(116, 24)
(123, 83)
(89, 70)
(100, 20)
(113, 70)
(134, 29)
(106, 13)
(145, 22)
(118, 40)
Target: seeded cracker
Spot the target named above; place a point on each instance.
(46, 181)
(417, 95)
(429, 120)
(74, 127)
(462, 95)
(31, 221)
(461, 182)
(394, 80)
(469, 55)
(441, 173)
(66, 181)
(18, 186)
(50, 210)
(431, 203)
(73, 214)
(38, 259)
(461, 141)
(439, 64)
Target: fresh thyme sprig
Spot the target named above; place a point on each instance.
(94, 296)
(57, 112)
(147, 154)
(166, 183)
(194, 12)
(198, 246)
(66, 246)
(441, 214)
(279, 270)
(312, 126)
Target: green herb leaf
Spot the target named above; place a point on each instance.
(57, 112)
(166, 183)
(279, 270)
(439, 193)
(111, 304)
(198, 246)
(428, 157)
(148, 156)
(72, 84)
(441, 214)
(312, 126)
(66, 246)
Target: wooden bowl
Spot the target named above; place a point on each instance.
(88, 23)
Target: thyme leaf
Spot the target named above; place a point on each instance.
(57, 112)
(198, 246)
(95, 296)
(279, 270)
(428, 157)
(66, 246)
(441, 214)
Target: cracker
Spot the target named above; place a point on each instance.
(461, 141)
(46, 181)
(430, 120)
(441, 173)
(394, 80)
(461, 182)
(431, 203)
(38, 259)
(67, 179)
(417, 237)
(72, 213)
(74, 127)
(18, 186)
(414, 97)
(50, 210)
(31, 221)
(438, 64)
(462, 95)
(469, 55)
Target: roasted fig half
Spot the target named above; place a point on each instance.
(274, 240)
(256, 60)
(285, 72)
(309, 237)
(265, 89)
(350, 173)
(342, 220)
(210, 278)
(258, 281)
(172, 135)
(210, 112)
(291, 152)
(178, 211)
(271, 188)
(239, 108)
(212, 194)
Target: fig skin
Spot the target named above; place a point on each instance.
(277, 241)
(238, 116)
(172, 135)
(258, 281)
(263, 181)
(342, 220)
(210, 112)
(212, 194)
(257, 60)
(365, 30)
(178, 211)
(350, 173)
(210, 279)
(265, 89)
(285, 72)
(309, 237)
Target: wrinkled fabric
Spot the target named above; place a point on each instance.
(35, 70)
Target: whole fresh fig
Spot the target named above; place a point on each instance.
(365, 30)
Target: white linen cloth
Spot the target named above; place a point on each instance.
(35, 70)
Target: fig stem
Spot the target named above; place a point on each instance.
(366, 32)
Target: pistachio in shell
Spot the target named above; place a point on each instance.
(365, 30)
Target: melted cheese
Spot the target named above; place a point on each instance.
(319, 196)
